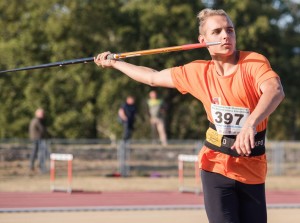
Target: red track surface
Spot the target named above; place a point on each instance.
(14, 200)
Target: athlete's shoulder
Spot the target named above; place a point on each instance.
(250, 56)
(205, 62)
(193, 65)
(198, 64)
(193, 69)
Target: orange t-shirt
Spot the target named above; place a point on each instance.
(239, 89)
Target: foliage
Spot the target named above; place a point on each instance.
(82, 100)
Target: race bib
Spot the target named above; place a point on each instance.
(229, 120)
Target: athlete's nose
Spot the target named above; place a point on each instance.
(224, 35)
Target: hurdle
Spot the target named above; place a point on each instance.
(182, 187)
(60, 157)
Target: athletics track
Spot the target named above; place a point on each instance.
(114, 201)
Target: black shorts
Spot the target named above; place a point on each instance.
(228, 200)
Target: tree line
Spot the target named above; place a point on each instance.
(81, 101)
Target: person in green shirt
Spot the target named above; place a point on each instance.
(157, 113)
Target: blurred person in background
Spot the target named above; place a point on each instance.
(37, 134)
(157, 113)
(126, 115)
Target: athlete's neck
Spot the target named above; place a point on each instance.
(225, 65)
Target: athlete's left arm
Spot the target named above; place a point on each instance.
(272, 95)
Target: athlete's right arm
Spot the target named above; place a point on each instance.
(141, 74)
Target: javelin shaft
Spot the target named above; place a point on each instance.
(117, 56)
(56, 64)
(160, 50)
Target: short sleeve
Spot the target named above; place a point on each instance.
(178, 77)
(188, 78)
(259, 67)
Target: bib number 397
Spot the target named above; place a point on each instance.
(229, 120)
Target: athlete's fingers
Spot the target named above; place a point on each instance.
(104, 55)
(252, 137)
(238, 146)
(97, 59)
(249, 138)
(245, 141)
(101, 60)
(239, 151)
(247, 147)
(243, 148)
(241, 145)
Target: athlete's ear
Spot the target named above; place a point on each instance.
(201, 39)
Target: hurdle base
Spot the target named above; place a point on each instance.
(190, 190)
(61, 189)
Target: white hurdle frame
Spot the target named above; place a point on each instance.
(60, 157)
(188, 158)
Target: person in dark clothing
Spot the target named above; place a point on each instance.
(37, 133)
(127, 115)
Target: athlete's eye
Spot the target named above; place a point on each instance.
(230, 30)
(216, 31)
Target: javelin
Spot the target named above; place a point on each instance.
(117, 56)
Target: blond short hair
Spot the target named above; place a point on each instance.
(205, 13)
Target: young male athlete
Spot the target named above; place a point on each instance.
(239, 90)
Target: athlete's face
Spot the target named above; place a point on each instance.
(219, 28)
